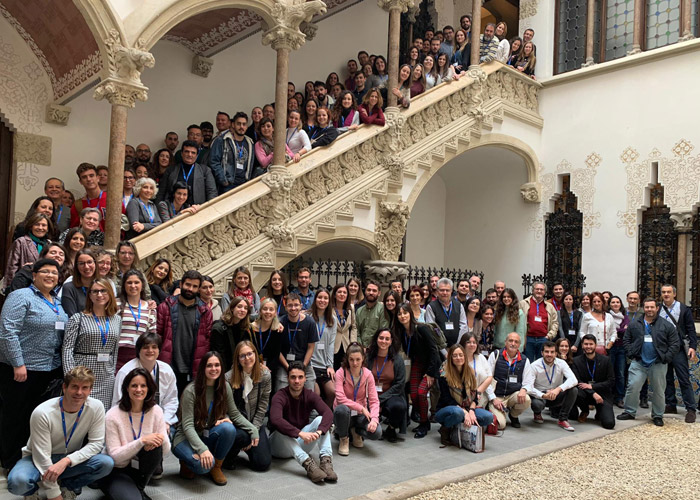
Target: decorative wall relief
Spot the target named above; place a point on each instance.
(528, 8)
(27, 175)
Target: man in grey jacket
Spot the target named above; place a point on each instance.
(199, 179)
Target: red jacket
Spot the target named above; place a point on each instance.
(167, 315)
(373, 117)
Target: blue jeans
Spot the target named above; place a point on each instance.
(24, 477)
(619, 361)
(533, 347)
(219, 442)
(284, 446)
(451, 416)
(638, 374)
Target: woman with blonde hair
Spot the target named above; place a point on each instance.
(526, 60)
(297, 140)
(266, 332)
(371, 108)
(503, 50)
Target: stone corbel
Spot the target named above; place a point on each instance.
(412, 13)
(309, 30)
(531, 192)
(289, 16)
(386, 271)
(55, 113)
(402, 5)
(390, 228)
(201, 66)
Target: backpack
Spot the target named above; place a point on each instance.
(438, 336)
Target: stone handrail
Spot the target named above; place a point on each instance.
(261, 220)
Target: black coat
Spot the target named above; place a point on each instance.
(664, 337)
(686, 327)
(603, 378)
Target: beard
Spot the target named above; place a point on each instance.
(187, 294)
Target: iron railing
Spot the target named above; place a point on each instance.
(575, 283)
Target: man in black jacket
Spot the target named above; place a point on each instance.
(651, 343)
(596, 383)
(199, 179)
(681, 319)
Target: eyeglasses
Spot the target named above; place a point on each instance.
(129, 178)
(128, 254)
(48, 273)
(246, 355)
(98, 292)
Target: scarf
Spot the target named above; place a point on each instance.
(267, 145)
(39, 242)
(247, 294)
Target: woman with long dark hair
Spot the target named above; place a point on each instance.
(75, 240)
(161, 161)
(345, 114)
(137, 318)
(570, 322)
(509, 318)
(488, 328)
(233, 327)
(75, 290)
(242, 286)
(346, 333)
(160, 279)
(176, 204)
(322, 357)
(206, 293)
(617, 350)
(391, 302)
(26, 248)
(277, 289)
(599, 324)
(42, 205)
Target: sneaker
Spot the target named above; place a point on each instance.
(658, 421)
(625, 416)
(327, 467)
(690, 417)
(344, 446)
(644, 403)
(357, 440)
(313, 471)
(564, 424)
(583, 416)
(445, 435)
(538, 418)
(671, 409)
(390, 435)
(514, 422)
(67, 494)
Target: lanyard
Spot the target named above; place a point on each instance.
(670, 310)
(447, 311)
(66, 437)
(537, 304)
(60, 213)
(103, 332)
(289, 334)
(592, 374)
(549, 379)
(240, 149)
(474, 365)
(341, 319)
(211, 407)
(279, 306)
(554, 303)
(126, 200)
(52, 305)
(148, 209)
(136, 319)
(84, 288)
(320, 333)
(571, 319)
(511, 366)
(316, 131)
(379, 372)
(408, 343)
(647, 326)
(175, 212)
(189, 174)
(132, 426)
(260, 339)
(290, 137)
(356, 387)
(89, 201)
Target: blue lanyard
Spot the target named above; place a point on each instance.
(474, 365)
(279, 307)
(260, 339)
(571, 319)
(549, 379)
(408, 343)
(137, 320)
(647, 326)
(52, 305)
(320, 333)
(379, 372)
(126, 200)
(175, 212)
(211, 406)
(103, 332)
(305, 300)
(60, 213)
(189, 174)
(240, 149)
(316, 131)
(589, 370)
(447, 311)
(341, 319)
(84, 288)
(132, 426)
(89, 201)
(537, 304)
(670, 310)
(289, 334)
(66, 437)
(148, 209)
(511, 367)
(289, 138)
(356, 387)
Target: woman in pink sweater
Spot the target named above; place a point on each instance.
(356, 408)
(135, 437)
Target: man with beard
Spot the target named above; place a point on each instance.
(488, 44)
(370, 317)
(143, 154)
(557, 296)
(596, 382)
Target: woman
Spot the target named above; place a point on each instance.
(509, 318)
(503, 50)
(206, 293)
(445, 71)
(345, 115)
(128, 189)
(26, 249)
(147, 352)
(75, 241)
(207, 430)
(461, 42)
(161, 161)
(322, 357)
(267, 334)
(233, 327)
(403, 91)
(242, 286)
(31, 334)
(413, 57)
(141, 171)
(42, 205)
(599, 324)
(606, 300)
(127, 258)
(389, 372)
(136, 455)
(617, 351)
(476, 360)
(141, 211)
(346, 333)
(356, 408)
(415, 299)
(277, 289)
(136, 317)
(473, 310)
(516, 44)
(264, 148)
(391, 302)
(253, 130)
(251, 382)
(379, 76)
(458, 403)
(425, 288)
(177, 204)
(585, 303)
(526, 60)
(331, 80)
(68, 199)
(430, 72)
(570, 322)
(160, 279)
(564, 350)
(308, 116)
(367, 70)
(92, 339)
(309, 92)
(75, 290)
(355, 296)
(371, 108)
(296, 140)
(488, 328)
(419, 347)
(105, 264)
(417, 81)
(324, 133)
(25, 276)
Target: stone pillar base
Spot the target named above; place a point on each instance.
(384, 271)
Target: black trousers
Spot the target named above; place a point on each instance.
(181, 381)
(127, 483)
(259, 457)
(18, 402)
(394, 410)
(604, 412)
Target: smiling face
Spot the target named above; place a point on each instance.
(240, 311)
(99, 295)
(86, 266)
(161, 271)
(212, 370)
(276, 283)
(415, 297)
(310, 109)
(549, 353)
(256, 115)
(77, 392)
(126, 256)
(322, 117)
(147, 191)
(353, 288)
(268, 311)
(563, 348)
(373, 98)
(267, 130)
(180, 197)
(149, 353)
(347, 101)
(341, 295)
(133, 287)
(615, 304)
(88, 179)
(138, 389)
(246, 357)
(293, 119)
(322, 299)
(40, 228)
(56, 254)
(471, 346)
(46, 278)
(293, 309)
(405, 73)
(381, 65)
(390, 303)
(77, 242)
(45, 207)
(104, 265)
(457, 357)
(384, 340)
(428, 63)
(404, 317)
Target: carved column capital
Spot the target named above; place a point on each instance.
(390, 228)
(683, 221)
(412, 13)
(201, 66)
(55, 113)
(531, 192)
(289, 16)
(386, 271)
(309, 30)
(401, 5)
(120, 93)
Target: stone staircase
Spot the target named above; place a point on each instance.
(356, 189)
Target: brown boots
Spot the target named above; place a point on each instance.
(327, 467)
(185, 472)
(217, 475)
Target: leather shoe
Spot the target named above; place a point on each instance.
(690, 417)
(625, 416)
(582, 417)
(421, 431)
(514, 422)
(670, 409)
(658, 421)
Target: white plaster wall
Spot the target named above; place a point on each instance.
(425, 231)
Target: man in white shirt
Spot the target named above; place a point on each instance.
(513, 378)
(55, 450)
(554, 387)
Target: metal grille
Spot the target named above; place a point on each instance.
(571, 35)
(574, 284)
(695, 267)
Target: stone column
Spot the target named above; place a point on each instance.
(590, 21)
(476, 33)
(686, 27)
(395, 8)
(121, 88)
(683, 223)
(638, 28)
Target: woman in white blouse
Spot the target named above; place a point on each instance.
(297, 140)
(599, 324)
(479, 364)
(503, 50)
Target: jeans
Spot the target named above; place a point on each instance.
(679, 365)
(561, 406)
(260, 456)
(127, 483)
(638, 374)
(452, 416)
(533, 348)
(619, 361)
(24, 477)
(344, 422)
(284, 446)
(219, 442)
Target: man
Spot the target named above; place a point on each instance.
(194, 134)
(292, 434)
(681, 318)
(596, 383)
(199, 179)
(67, 436)
(499, 286)
(207, 129)
(397, 286)
(463, 290)
(418, 43)
(94, 196)
(171, 141)
(232, 155)
(90, 224)
(223, 123)
(433, 282)
(363, 58)
(184, 324)
(542, 321)
(528, 35)
(513, 377)
(299, 339)
(143, 154)
(491, 297)
(370, 317)
(651, 343)
(634, 313)
(429, 34)
(54, 189)
(475, 284)
(557, 296)
(303, 288)
(435, 48)
(269, 112)
(425, 50)
(352, 71)
(554, 387)
(447, 45)
(291, 89)
(102, 176)
(448, 313)
(466, 23)
(488, 44)
(324, 100)
(360, 88)
(129, 156)
(292, 105)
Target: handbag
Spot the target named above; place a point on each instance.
(492, 428)
(469, 438)
(686, 343)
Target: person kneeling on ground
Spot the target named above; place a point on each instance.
(597, 370)
(554, 387)
(293, 436)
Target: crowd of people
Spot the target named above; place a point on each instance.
(137, 365)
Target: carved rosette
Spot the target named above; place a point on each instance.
(390, 229)
(528, 8)
(531, 192)
(55, 113)
(289, 16)
(401, 5)
(385, 271)
(201, 66)
(279, 233)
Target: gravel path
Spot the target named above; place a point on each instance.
(645, 462)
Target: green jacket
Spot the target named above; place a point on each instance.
(368, 321)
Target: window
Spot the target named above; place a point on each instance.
(619, 28)
(571, 31)
(663, 23)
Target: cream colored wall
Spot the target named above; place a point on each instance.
(425, 231)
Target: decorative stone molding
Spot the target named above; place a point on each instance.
(201, 66)
(683, 221)
(309, 30)
(385, 271)
(31, 148)
(55, 113)
(402, 5)
(412, 13)
(290, 14)
(390, 228)
(528, 8)
(531, 192)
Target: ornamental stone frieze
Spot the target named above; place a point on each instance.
(201, 66)
(289, 15)
(57, 114)
(401, 5)
(386, 271)
(390, 229)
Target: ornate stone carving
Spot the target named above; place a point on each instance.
(201, 66)
(402, 5)
(394, 165)
(412, 13)
(55, 113)
(683, 221)
(309, 30)
(385, 271)
(531, 192)
(395, 121)
(32, 148)
(528, 8)
(290, 14)
(279, 233)
(390, 228)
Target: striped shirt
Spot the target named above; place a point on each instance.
(145, 318)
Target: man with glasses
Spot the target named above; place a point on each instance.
(143, 153)
(54, 189)
(90, 224)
